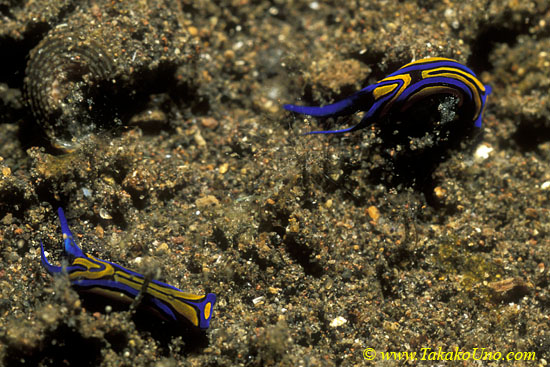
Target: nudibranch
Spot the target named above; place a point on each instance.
(405, 87)
(103, 278)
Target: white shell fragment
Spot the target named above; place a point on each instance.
(338, 321)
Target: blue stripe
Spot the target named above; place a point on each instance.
(386, 104)
(86, 282)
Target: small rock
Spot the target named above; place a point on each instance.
(338, 321)
(208, 200)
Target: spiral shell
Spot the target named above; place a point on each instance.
(67, 86)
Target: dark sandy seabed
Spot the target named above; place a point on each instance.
(182, 163)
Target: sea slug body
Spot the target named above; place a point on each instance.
(405, 87)
(103, 278)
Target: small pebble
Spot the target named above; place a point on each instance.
(258, 300)
(339, 321)
(208, 200)
(483, 151)
(374, 213)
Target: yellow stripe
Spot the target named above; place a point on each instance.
(435, 59)
(383, 90)
(479, 85)
(136, 283)
(207, 310)
(175, 293)
(88, 274)
(181, 307)
(165, 294)
(128, 279)
(406, 78)
(452, 73)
